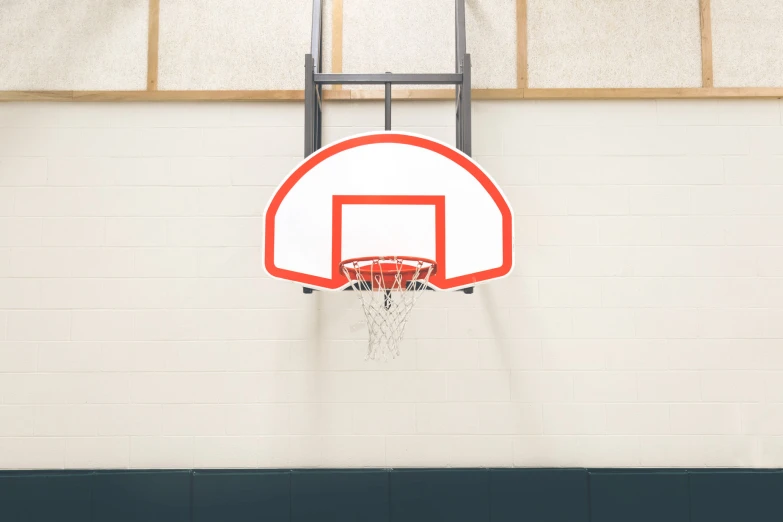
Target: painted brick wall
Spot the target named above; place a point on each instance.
(642, 325)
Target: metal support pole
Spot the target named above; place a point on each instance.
(460, 55)
(388, 106)
(458, 111)
(310, 107)
(460, 23)
(313, 92)
(465, 108)
(318, 116)
(315, 37)
(456, 36)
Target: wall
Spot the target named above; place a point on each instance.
(636, 43)
(241, 49)
(407, 36)
(66, 44)
(747, 42)
(641, 327)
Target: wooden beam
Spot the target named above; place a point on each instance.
(123, 96)
(657, 93)
(167, 96)
(426, 94)
(498, 94)
(573, 94)
(337, 39)
(21, 96)
(522, 80)
(337, 94)
(152, 45)
(401, 94)
(743, 92)
(705, 17)
(614, 93)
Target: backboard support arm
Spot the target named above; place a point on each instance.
(315, 79)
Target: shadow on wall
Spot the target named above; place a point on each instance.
(500, 335)
(311, 385)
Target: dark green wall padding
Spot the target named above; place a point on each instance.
(405, 495)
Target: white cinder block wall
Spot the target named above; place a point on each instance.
(642, 326)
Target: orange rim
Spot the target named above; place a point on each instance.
(386, 269)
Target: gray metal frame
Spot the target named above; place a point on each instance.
(315, 79)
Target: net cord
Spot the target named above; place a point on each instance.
(387, 310)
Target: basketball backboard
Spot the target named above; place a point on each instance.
(388, 194)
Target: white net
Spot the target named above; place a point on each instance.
(388, 288)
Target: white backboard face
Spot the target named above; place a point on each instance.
(357, 241)
(386, 194)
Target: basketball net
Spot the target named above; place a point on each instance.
(388, 288)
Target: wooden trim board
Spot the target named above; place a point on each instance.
(337, 39)
(436, 94)
(566, 94)
(425, 94)
(658, 93)
(35, 96)
(174, 96)
(151, 96)
(152, 45)
(402, 94)
(705, 20)
(522, 44)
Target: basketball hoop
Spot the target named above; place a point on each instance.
(388, 288)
